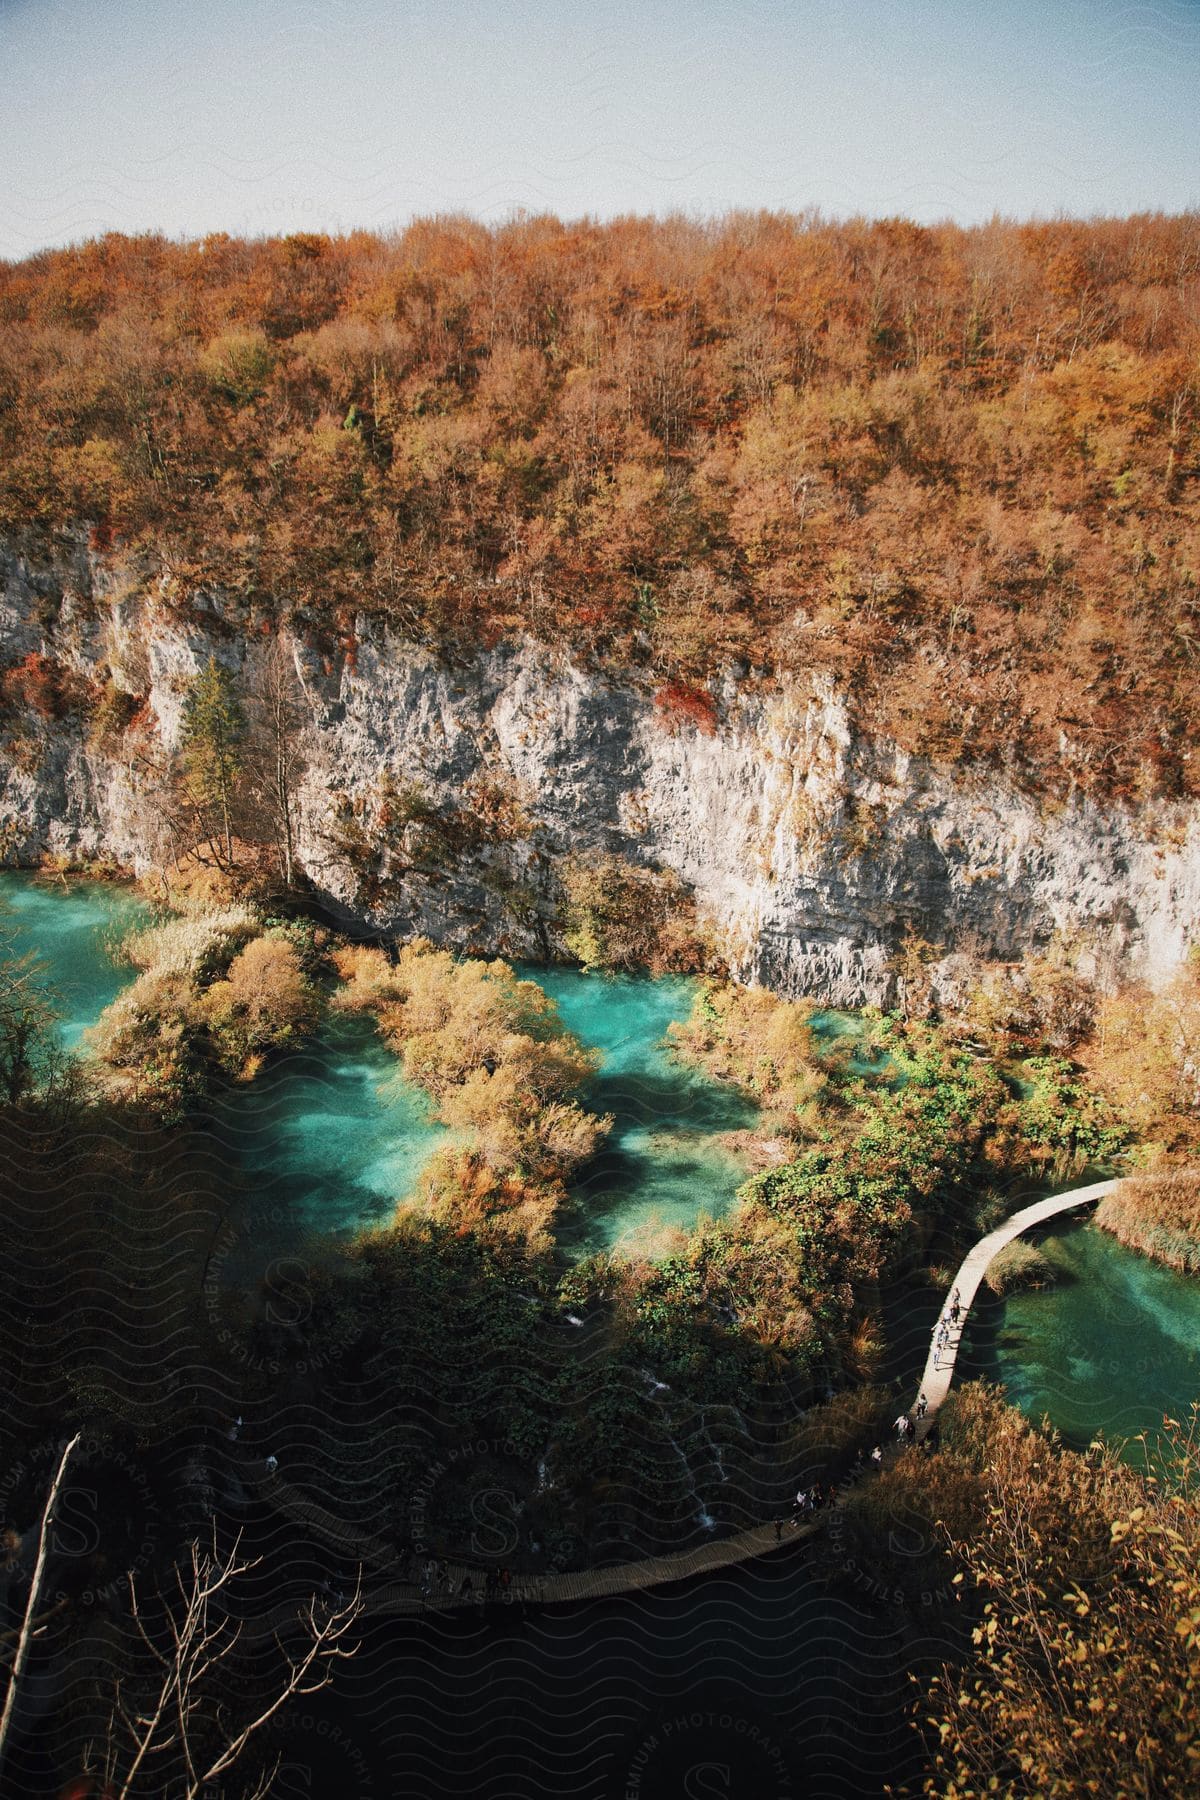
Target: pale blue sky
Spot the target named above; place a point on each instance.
(274, 115)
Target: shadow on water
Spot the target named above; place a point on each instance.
(330, 1136)
(664, 1163)
(334, 1127)
(324, 1141)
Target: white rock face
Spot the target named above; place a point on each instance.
(811, 849)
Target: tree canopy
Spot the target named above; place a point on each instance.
(954, 469)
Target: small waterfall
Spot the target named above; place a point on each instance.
(701, 1515)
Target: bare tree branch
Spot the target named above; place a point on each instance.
(184, 1709)
(28, 1628)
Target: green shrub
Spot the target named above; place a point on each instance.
(1063, 1122)
(619, 916)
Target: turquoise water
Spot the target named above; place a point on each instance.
(1113, 1347)
(71, 927)
(330, 1136)
(664, 1164)
(333, 1131)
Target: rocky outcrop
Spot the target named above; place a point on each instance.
(812, 851)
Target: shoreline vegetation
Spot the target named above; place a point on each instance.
(493, 1055)
(1158, 1215)
(219, 989)
(1019, 1265)
(950, 474)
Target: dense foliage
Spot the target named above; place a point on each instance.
(902, 1162)
(954, 468)
(1086, 1580)
(1146, 1056)
(620, 916)
(494, 1055)
(764, 1044)
(220, 988)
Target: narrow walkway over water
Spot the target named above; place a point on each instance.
(370, 1552)
(939, 1369)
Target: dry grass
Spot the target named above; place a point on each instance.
(1019, 1265)
(1158, 1215)
(179, 946)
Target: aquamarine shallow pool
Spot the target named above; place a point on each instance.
(325, 1140)
(1113, 1347)
(331, 1135)
(665, 1162)
(72, 927)
(332, 1131)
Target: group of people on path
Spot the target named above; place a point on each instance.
(808, 1500)
(824, 1493)
(435, 1579)
(948, 1322)
(907, 1423)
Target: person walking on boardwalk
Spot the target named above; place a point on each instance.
(922, 1404)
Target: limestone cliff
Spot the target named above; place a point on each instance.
(810, 849)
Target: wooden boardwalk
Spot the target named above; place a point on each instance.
(939, 1369)
(457, 1586)
(377, 1558)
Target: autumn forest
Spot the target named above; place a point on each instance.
(952, 470)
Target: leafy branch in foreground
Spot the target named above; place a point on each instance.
(1086, 1576)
